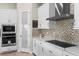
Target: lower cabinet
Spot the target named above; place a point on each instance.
(41, 48)
(37, 48)
(67, 54)
(48, 52)
(34, 46)
(57, 51)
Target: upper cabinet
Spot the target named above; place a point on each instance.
(76, 16)
(45, 11)
(8, 13)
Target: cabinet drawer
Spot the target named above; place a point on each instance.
(56, 51)
(67, 54)
(48, 52)
(51, 53)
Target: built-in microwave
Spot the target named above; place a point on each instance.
(8, 28)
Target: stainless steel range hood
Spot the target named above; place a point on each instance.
(62, 12)
(62, 17)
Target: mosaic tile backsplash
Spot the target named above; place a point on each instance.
(63, 30)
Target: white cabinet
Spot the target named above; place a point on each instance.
(52, 50)
(45, 11)
(13, 16)
(57, 52)
(76, 16)
(67, 54)
(48, 52)
(37, 47)
(8, 16)
(34, 46)
(41, 48)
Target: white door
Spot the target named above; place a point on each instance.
(25, 31)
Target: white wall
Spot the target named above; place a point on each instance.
(7, 5)
(34, 11)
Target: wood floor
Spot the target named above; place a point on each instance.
(16, 54)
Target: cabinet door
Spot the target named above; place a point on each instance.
(57, 52)
(39, 49)
(43, 13)
(34, 46)
(13, 16)
(48, 52)
(67, 54)
(76, 16)
(4, 16)
(53, 50)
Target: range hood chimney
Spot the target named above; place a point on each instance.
(62, 12)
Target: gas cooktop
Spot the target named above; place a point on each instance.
(61, 44)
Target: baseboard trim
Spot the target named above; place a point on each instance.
(2, 52)
(27, 50)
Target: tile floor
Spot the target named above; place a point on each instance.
(16, 54)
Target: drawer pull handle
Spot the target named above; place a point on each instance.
(50, 51)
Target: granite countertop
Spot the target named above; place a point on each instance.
(73, 50)
(41, 39)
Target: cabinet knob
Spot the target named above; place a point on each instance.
(20, 35)
(50, 51)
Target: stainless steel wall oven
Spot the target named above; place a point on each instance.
(8, 35)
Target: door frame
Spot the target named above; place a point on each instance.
(20, 31)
